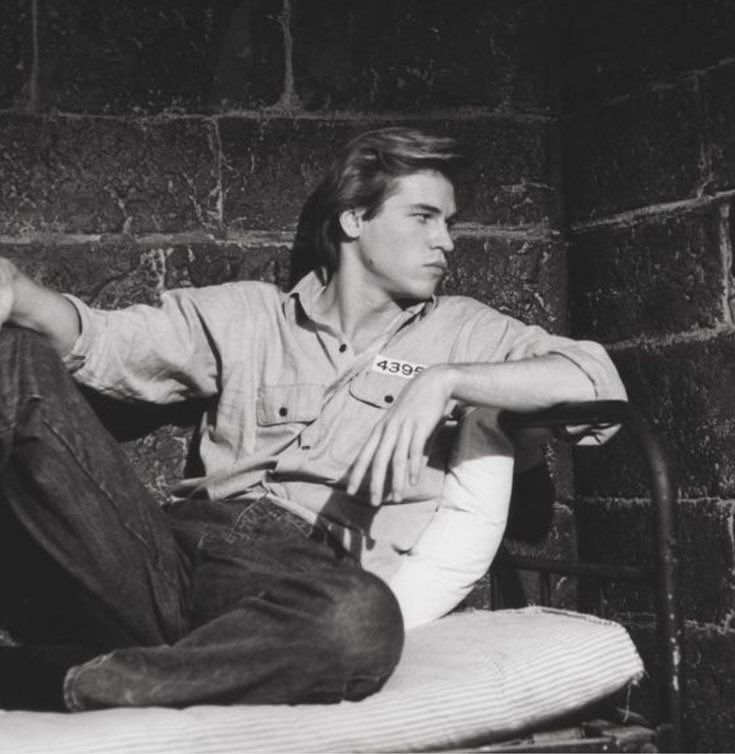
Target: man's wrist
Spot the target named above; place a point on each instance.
(448, 377)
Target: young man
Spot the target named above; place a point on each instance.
(322, 454)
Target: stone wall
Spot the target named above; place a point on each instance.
(649, 182)
(175, 144)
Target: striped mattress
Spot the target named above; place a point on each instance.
(470, 677)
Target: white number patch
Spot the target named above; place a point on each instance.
(395, 367)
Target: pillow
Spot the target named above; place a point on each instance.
(458, 546)
(470, 677)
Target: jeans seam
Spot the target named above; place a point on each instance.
(138, 538)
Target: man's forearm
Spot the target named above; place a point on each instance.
(524, 385)
(45, 311)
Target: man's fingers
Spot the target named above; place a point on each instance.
(399, 466)
(416, 457)
(380, 465)
(360, 467)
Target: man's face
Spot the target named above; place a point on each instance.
(403, 248)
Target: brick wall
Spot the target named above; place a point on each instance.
(649, 182)
(174, 144)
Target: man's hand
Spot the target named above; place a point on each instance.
(399, 439)
(8, 275)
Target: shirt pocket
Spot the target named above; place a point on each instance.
(375, 389)
(282, 412)
(286, 404)
(370, 394)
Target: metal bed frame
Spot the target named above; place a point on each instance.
(632, 733)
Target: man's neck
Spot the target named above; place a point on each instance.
(359, 310)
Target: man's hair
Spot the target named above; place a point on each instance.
(364, 175)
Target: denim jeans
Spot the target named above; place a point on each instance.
(208, 602)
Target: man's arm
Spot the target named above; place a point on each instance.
(397, 443)
(28, 304)
(138, 353)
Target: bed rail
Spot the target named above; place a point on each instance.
(662, 575)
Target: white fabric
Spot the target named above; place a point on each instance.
(469, 677)
(459, 544)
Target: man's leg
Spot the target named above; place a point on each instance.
(278, 617)
(88, 522)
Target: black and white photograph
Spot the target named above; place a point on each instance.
(364, 376)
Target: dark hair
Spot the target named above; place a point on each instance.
(362, 177)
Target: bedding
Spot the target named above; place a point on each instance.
(475, 676)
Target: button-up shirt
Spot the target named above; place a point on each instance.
(293, 404)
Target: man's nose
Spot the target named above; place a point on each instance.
(443, 239)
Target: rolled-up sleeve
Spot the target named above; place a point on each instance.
(146, 353)
(497, 337)
(592, 359)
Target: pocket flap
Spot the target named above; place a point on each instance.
(377, 389)
(282, 404)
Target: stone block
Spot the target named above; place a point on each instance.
(271, 166)
(16, 52)
(512, 177)
(524, 277)
(634, 152)
(210, 264)
(118, 272)
(709, 673)
(151, 57)
(685, 390)
(659, 276)
(159, 458)
(519, 588)
(612, 48)
(104, 275)
(421, 54)
(99, 175)
(719, 86)
(708, 692)
(621, 532)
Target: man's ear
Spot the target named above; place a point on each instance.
(351, 222)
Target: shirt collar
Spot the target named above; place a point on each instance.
(309, 288)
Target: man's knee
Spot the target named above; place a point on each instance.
(20, 346)
(22, 335)
(365, 633)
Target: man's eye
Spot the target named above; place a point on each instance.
(422, 217)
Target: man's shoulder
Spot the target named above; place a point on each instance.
(463, 307)
(249, 292)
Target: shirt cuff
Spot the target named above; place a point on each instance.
(76, 357)
(593, 360)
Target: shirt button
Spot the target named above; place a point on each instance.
(342, 348)
(282, 411)
(389, 399)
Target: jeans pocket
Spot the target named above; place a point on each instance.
(254, 520)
